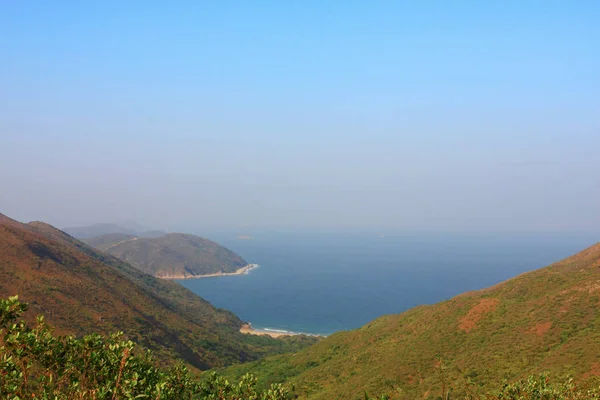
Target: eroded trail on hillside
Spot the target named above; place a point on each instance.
(121, 242)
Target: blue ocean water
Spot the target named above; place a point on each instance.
(323, 283)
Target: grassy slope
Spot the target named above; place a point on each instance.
(81, 290)
(171, 254)
(546, 320)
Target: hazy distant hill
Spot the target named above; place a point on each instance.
(546, 320)
(105, 241)
(86, 232)
(171, 255)
(81, 290)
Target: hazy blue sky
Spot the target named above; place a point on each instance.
(409, 115)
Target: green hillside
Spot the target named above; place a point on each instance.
(81, 290)
(546, 320)
(174, 255)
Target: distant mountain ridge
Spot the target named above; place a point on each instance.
(173, 255)
(90, 231)
(104, 242)
(81, 290)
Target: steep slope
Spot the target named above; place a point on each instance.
(173, 255)
(546, 320)
(80, 290)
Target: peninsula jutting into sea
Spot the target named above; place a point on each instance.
(166, 255)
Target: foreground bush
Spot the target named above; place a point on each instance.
(542, 388)
(533, 388)
(36, 364)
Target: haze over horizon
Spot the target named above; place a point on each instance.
(471, 117)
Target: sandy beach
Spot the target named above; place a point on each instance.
(241, 271)
(248, 329)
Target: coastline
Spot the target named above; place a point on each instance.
(274, 333)
(242, 271)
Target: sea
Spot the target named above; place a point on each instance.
(321, 283)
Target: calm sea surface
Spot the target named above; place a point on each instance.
(330, 282)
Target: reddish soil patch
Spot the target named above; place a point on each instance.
(541, 328)
(469, 321)
(594, 371)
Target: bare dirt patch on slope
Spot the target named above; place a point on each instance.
(469, 321)
(541, 328)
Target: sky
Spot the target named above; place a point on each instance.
(462, 116)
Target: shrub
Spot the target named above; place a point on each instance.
(34, 363)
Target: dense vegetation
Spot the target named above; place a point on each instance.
(170, 255)
(82, 290)
(34, 363)
(545, 320)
